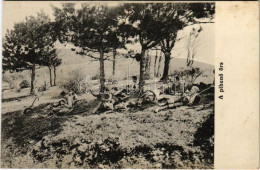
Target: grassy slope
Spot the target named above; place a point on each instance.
(139, 139)
(165, 139)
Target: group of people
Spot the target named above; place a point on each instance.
(114, 99)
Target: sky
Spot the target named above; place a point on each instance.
(16, 11)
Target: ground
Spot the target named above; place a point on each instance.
(176, 138)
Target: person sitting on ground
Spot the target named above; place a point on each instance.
(191, 95)
(67, 104)
(71, 98)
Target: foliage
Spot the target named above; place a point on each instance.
(192, 45)
(23, 47)
(190, 75)
(146, 23)
(180, 16)
(94, 29)
(43, 87)
(50, 58)
(95, 77)
(72, 81)
(158, 23)
(24, 84)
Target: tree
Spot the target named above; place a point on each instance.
(92, 29)
(166, 45)
(159, 64)
(180, 16)
(24, 45)
(51, 60)
(144, 22)
(117, 43)
(114, 61)
(148, 65)
(154, 23)
(158, 58)
(155, 62)
(56, 63)
(192, 45)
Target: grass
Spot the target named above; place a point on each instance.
(115, 140)
(139, 138)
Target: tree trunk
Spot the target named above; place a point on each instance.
(147, 66)
(32, 80)
(54, 79)
(50, 76)
(167, 57)
(159, 65)
(142, 70)
(114, 61)
(102, 71)
(154, 67)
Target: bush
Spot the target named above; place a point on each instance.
(43, 87)
(12, 84)
(12, 80)
(73, 81)
(95, 77)
(190, 75)
(24, 84)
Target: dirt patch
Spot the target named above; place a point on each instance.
(15, 98)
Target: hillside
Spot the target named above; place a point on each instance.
(73, 61)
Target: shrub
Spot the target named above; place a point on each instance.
(11, 84)
(5, 78)
(43, 87)
(24, 84)
(95, 77)
(190, 74)
(73, 81)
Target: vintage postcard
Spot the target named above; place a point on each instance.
(120, 84)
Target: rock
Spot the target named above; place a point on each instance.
(64, 110)
(156, 158)
(55, 104)
(121, 106)
(101, 166)
(99, 142)
(48, 107)
(103, 147)
(171, 101)
(108, 106)
(119, 126)
(11, 122)
(158, 166)
(167, 155)
(77, 159)
(131, 103)
(83, 147)
(76, 141)
(132, 158)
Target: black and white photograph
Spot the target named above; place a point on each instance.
(106, 85)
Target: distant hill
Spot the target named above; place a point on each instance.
(70, 60)
(178, 63)
(124, 67)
